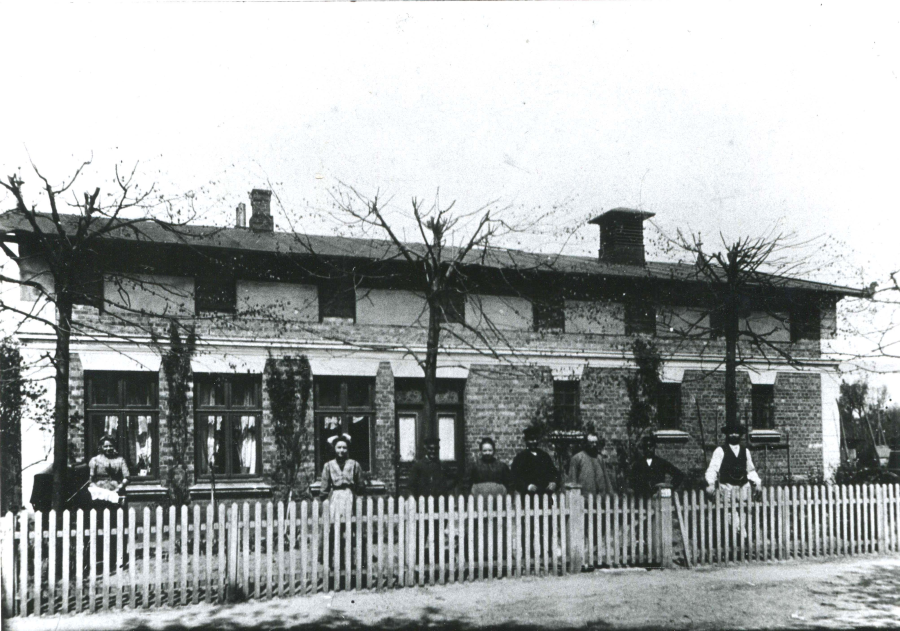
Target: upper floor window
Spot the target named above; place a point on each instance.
(805, 322)
(717, 324)
(763, 403)
(124, 406)
(640, 318)
(345, 405)
(216, 294)
(566, 404)
(549, 314)
(668, 405)
(453, 307)
(227, 426)
(337, 299)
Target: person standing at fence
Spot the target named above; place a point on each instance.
(731, 466)
(649, 470)
(427, 477)
(533, 470)
(588, 470)
(341, 477)
(487, 475)
(109, 474)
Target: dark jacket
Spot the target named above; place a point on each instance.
(428, 478)
(480, 471)
(533, 468)
(644, 478)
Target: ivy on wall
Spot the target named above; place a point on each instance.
(176, 362)
(288, 386)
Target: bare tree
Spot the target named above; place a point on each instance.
(57, 254)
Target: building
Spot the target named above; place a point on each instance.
(527, 332)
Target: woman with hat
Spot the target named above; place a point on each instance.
(341, 477)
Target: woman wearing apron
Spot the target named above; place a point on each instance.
(341, 477)
(487, 475)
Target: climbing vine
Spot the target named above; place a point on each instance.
(288, 385)
(176, 364)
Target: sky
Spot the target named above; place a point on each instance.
(737, 118)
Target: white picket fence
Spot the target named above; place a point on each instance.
(85, 562)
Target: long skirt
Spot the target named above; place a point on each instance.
(341, 503)
(488, 488)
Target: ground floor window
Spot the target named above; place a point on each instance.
(763, 403)
(668, 406)
(228, 424)
(345, 405)
(124, 406)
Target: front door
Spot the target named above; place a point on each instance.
(412, 431)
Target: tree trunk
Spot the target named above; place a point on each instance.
(61, 407)
(731, 337)
(11, 431)
(431, 357)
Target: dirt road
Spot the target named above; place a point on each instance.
(832, 594)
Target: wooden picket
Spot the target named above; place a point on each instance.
(129, 559)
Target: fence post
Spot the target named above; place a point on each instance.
(664, 531)
(576, 528)
(880, 518)
(7, 552)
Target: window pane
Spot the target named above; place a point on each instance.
(669, 406)
(104, 389)
(447, 435)
(337, 298)
(140, 390)
(358, 392)
(328, 393)
(98, 426)
(330, 426)
(763, 401)
(139, 444)
(243, 441)
(359, 436)
(245, 393)
(211, 446)
(407, 431)
(215, 294)
(212, 392)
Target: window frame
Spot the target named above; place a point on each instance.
(328, 295)
(205, 301)
(640, 318)
(762, 406)
(229, 413)
(453, 307)
(567, 396)
(806, 322)
(668, 397)
(122, 409)
(549, 315)
(345, 411)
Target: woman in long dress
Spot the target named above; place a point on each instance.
(109, 473)
(487, 475)
(341, 477)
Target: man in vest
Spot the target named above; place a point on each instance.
(731, 466)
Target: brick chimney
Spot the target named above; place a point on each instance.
(622, 235)
(261, 217)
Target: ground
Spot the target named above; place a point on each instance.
(825, 594)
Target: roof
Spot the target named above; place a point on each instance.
(246, 240)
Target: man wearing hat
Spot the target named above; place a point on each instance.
(427, 477)
(731, 467)
(649, 470)
(532, 469)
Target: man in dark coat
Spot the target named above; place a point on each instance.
(427, 477)
(649, 470)
(533, 470)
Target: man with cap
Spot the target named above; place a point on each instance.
(649, 470)
(532, 469)
(731, 466)
(427, 477)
